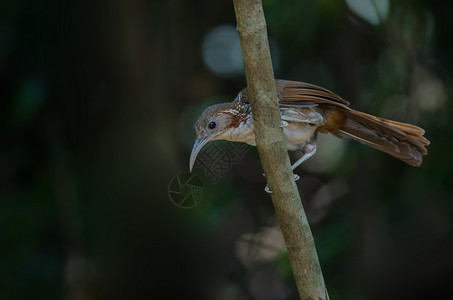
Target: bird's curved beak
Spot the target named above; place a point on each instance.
(199, 143)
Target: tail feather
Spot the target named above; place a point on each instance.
(401, 140)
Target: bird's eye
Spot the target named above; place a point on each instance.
(212, 125)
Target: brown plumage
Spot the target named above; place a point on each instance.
(307, 109)
(401, 140)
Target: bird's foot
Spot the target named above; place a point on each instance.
(296, 177)
(284, 124)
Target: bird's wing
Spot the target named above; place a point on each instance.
(300, 94)
(296, 94)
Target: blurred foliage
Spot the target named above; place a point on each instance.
(98, 102)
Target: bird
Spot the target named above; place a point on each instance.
(306, 110)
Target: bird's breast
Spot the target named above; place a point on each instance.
(243, 133)
(299, 126)
(298, 133)
(295, 134)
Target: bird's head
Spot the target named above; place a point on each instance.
(215, 123)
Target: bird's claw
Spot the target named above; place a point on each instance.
(296, 177)
(284, 124)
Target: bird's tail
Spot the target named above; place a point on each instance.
(401, 140)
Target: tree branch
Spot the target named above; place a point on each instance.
(271, 145)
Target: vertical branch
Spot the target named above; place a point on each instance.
(271, 145)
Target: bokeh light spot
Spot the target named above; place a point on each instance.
(222, 51)
(373, 11)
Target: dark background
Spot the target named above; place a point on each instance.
(98, 101)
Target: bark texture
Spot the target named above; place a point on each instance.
(271, 145)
